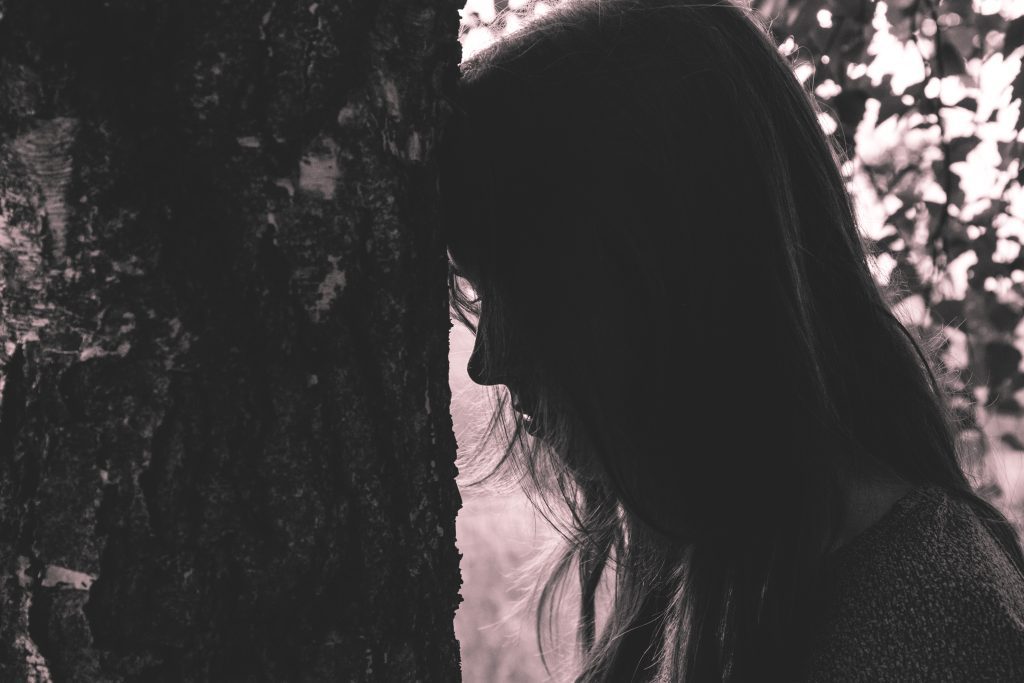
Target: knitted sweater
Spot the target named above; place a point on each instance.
(924, 594)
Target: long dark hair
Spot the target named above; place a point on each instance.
(651, 238)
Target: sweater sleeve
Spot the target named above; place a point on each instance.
(926, 594)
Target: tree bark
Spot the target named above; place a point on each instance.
(226, 451)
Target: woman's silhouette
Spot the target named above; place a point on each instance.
(666, 273)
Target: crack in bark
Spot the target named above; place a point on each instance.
(24, 474)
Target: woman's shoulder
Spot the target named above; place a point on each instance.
(925, 593)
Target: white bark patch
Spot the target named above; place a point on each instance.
(287, 185)
(22, 212)
(175, 343)
(131, 266)
(318, 169)
(414, 148)
(24, 580)
(391, 97)
(96, 351)
(263, 31)
(46, 151)
(55, 576)
(38, 670)
(349, 113)
(92, 352)
(330, 288)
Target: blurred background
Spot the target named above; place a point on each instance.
(924, 96)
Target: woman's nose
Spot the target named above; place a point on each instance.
(475, 367)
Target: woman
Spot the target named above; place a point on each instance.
(667, 275)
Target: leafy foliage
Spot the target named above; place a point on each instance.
(941, 154)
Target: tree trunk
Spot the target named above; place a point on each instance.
(226, 451)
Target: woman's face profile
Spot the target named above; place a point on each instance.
(474, 367)
(522, 402)
(466, 270)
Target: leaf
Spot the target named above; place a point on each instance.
(850, 105)
(1002, 360)
(898, 7)
(887, 241)
(904, 225)
(890, 105)
(968, 103)
(899, 24)
(956, 195)
(965, 8)
(1014, 36)
(953, 230)
(962, 38)
(949, 311)
(954, 246)
(1006, 156)
(915, 90)
(951, 62)
(1007, 406)
(960, 147)
(985, 217)
(800, 21)
(1017, 93)
(985, 267)
(852, 42)
(854, 9)
(1003, 317)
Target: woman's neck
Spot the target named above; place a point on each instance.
(867, 500)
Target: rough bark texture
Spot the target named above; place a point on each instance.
(226, 452)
